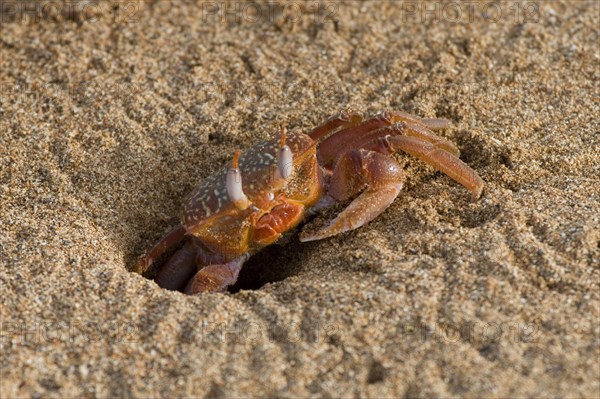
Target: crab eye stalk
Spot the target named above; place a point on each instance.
(284, 158)
(234, 184)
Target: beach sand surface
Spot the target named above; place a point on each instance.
(111, 112)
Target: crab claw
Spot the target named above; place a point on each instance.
(234, 184)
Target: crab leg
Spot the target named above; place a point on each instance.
(216, 277)
(421, 132)
(440, 159)
(403, 124)
(432, 124)
(378, 176)
(341, 120)
(345, 140)
(171, 239)
(178, 269)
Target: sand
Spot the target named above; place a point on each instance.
(112, 112)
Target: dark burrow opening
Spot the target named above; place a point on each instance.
(272, 264)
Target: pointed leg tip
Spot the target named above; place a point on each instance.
(307, 237)
(476, 194)
(141, 266)
(437, 123)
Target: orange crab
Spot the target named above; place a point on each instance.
(270, 188)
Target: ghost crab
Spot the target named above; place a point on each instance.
(347, 157)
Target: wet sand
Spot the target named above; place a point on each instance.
(111, 113)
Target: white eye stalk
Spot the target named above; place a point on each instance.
(234, 184)
(285, 164)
